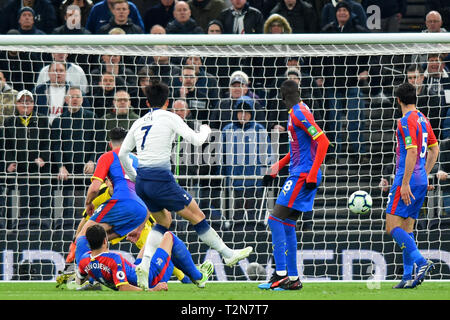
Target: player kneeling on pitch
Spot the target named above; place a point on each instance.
(115, 272)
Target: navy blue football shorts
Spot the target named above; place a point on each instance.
(159, 190)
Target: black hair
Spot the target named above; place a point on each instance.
(95, 236)
(289, 90)
(117, 134)
(414, 68)
(157, 94)
(406, 93)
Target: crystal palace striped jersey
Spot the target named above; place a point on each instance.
(413, 131)
(302, 131)
(109, 165)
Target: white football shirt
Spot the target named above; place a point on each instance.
(153, 135)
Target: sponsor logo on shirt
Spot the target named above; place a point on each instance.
(312, 131)
(408, 140)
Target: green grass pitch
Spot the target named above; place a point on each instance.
(429, 290)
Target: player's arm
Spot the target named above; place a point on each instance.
(274, 169)
(92, 193)
(128, 144)
(321, 152)
(162, 286)
(410, 163)
(306, 121)
(128, 287)
(279, 165)
(182, 129)
(433, 153)
(433, 149)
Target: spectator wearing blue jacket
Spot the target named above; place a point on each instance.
(246, 152)
(101, 14)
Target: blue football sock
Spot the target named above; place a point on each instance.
(82, 248)
(160, 228)
(278, 242)
(182, 259)
(291, 247)
(406, 243)
(408, 263)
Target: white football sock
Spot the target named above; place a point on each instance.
(212, 239)
(152, 243)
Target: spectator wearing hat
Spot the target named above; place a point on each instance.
(26, 22)
(204, 11)
(329, 12)
(27, 163)
(43, 12)
(344, 21)
(214, 27)
(277, 24)
(246, 151)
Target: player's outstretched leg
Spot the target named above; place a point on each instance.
(210, 237)
(237, 256)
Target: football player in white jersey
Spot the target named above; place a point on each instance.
(152, 136)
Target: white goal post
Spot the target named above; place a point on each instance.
(346, 79)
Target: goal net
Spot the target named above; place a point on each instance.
(231, 83)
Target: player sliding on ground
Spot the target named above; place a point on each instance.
(415, 137)
(115, 272)
(308, 148)
(152, 136)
